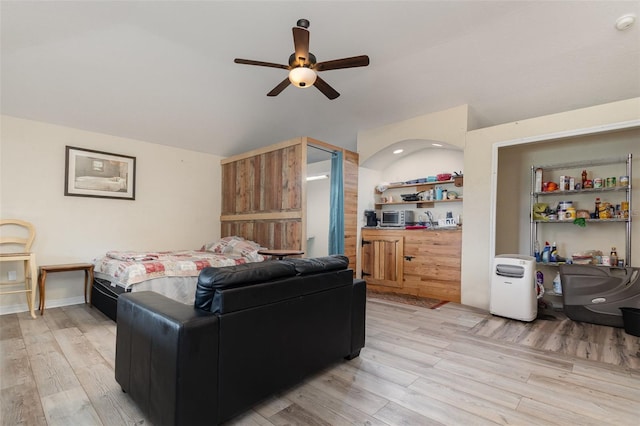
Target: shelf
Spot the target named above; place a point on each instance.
(581, 164)
(619, 192)
(570, 221)
(419, 203)
(418, 185)
(551, 263)
(584, 191)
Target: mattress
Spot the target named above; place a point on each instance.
(171, 273)
(132, 268)
(105, 291)
(182, 289)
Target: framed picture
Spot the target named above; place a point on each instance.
(90, 173)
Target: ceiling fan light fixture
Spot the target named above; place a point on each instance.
(302, 77)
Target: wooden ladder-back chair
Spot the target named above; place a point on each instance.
(16, 237)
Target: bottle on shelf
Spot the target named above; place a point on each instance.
(613, 258)
(539, 284)
(536, 251)
(584, 177)
(597, 210)
(546, 252)
(557, 284)
(553, 256)
(538, 175)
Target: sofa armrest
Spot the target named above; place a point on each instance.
(358, 314)
(167, 358)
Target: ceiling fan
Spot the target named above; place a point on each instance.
(303, 67)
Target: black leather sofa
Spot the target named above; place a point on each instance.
(255, 329)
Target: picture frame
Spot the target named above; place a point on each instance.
(99, 174)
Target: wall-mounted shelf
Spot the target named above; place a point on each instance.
(420, 204)
(420, 187)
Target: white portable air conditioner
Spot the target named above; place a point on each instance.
(513, 287)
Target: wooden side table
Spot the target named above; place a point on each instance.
(44, 269)
(280, 254)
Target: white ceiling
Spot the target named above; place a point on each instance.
(163, 72)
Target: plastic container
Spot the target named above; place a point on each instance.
(546, 253)
(538, 184)
(570, 214)
(557, 284)
(564, 205)
(631, 319)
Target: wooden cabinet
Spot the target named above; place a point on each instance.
(432, 264)
(414, 262)
(382, 258)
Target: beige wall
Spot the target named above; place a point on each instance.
(177, 201)
(449, 126)
(478, 230)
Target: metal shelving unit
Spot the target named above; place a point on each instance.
(535, 195)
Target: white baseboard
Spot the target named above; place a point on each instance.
(56, 303)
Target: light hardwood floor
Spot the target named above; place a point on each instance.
(453, 365)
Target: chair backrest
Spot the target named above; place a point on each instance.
(16, 236)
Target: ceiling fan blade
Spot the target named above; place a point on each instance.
(280, 87)
(327, 90)
(259, 63)
(301, 44)
(336, 64)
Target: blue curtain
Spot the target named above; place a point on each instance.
(336, 206)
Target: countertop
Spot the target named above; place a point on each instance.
(390, 228)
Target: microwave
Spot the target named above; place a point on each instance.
(397, 218)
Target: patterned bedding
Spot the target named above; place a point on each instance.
(127, 268)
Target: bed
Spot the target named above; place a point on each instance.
(171, 273)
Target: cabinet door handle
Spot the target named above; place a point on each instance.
(408, 258)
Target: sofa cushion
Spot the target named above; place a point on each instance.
(236, 299)
(212, 279)
(314, 265)
(213, 282)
